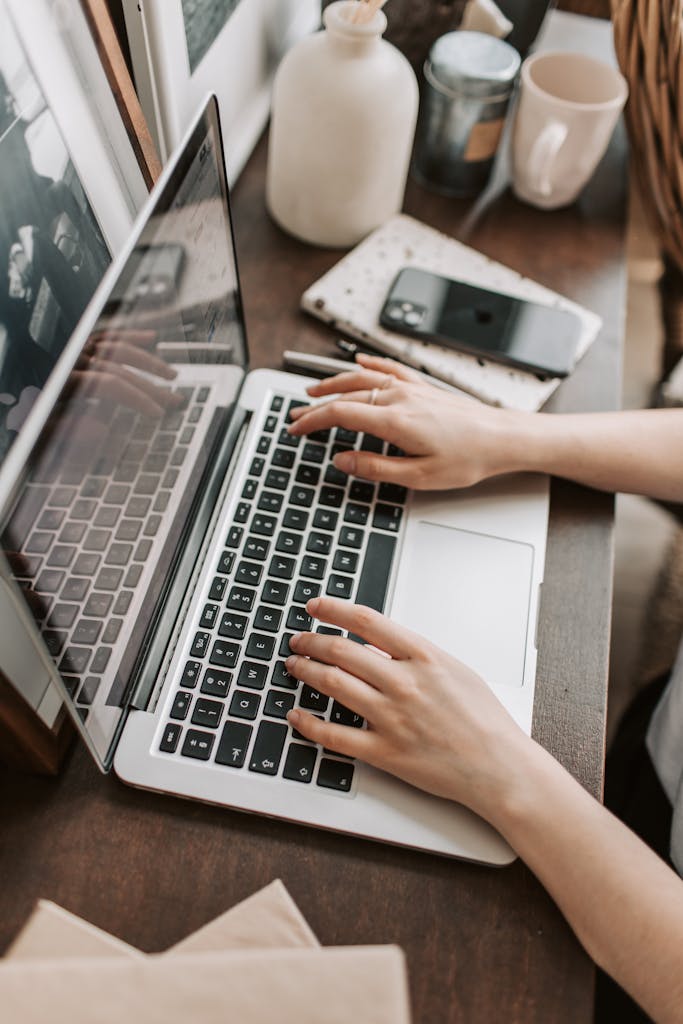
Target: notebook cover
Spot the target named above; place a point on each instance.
(350, 297)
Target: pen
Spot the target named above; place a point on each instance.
(326, 366)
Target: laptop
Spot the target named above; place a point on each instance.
(160, 539)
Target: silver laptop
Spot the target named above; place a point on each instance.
(160, 545)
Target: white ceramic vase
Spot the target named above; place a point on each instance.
(342, 125)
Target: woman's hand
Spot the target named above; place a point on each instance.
(431, 721)
(448, 441)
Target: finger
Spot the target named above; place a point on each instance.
(110, 387)
(350, 380)
(161, 396)
(354, 694)
(132, 335)
(377, 629)
(130, 355)
(341, 738)
(390, 469)
(353, 415)
(343, 654)
(385, 365)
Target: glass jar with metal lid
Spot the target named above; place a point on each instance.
(468, 81)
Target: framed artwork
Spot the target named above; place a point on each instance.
(183, 49)
(70, 189)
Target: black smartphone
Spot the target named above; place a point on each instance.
(483, 323)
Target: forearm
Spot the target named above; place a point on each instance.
(623, 902)
(638, 452)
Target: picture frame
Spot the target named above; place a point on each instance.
(182, 50)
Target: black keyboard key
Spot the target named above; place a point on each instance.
(72, 533)
(331, 496)
(341, 715)
(62, 497)
(249, 489)
(295, 519)
(75, 660)
(97, 540)
(357, 514)
(111, 631)
(257, 465)
(288, 440)
(54, 641)
(63, 616)
(312, 700)
(278, 704)
(226, 562)
(170, 738)
(137, 508)
(149, 483)
(242, 512)
(107, 579)
(209, 616)
(282, 568)
(305, 591)
(61, 556)
(252, 675)
(325, 519)
(181, 704)
(335, 476)
(50, 580)
(128, 529)
(387, 517)
(276, 479)
(301, 496)
(393, 493)
(319, 543)
(313, 568)
(234, 742)
(256, 547)
(281, 677)
(169, 481)
(190, 674)
(283, 458)
(200, 645)
(207, 713)
(329, 630)
(276, 404)
(285, 650)
(194, 414)
(299, 763)
(322, 436)
(298, 619)
(119, 554)
(374, 577)
(216, 683)
(268, 619)
(261, 646)
(198, 744)
(269, 501)
(308, 475)
(275, 592)
(264, 526)
(245, 705)
(335, 775)
(344, 436)
(38, 543)
(88, 690)
(234, 537)
(233, 626)
(270, 741)
(224, 654)
(87, 631)
(123, 603)
(249, 573)
(241, 599)
(313, 453)
(270, 424)
(350, 537)
(133, 576)
(288, 543)
(345, 561)
(83, 509)
(371, 444)
(263, 445)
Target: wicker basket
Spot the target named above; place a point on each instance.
(648, 37)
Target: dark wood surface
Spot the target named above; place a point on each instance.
(481, 944)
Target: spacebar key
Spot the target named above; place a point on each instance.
(374, 577)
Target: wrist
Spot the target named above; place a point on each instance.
(526, 442)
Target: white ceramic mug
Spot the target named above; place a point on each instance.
(568, 107)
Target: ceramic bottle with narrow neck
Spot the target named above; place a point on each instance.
(343, 118)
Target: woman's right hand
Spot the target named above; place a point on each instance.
(448, 441)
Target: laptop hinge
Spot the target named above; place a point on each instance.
(172, 619)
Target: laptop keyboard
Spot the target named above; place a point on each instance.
(301, 528)
(83, 539)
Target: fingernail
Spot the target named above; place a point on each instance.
(290, 660)
(312, 605)
(294, 717)
(345, 461)
(294, 639)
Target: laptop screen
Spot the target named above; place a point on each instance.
(115, 464)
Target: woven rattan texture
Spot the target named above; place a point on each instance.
(648, 37)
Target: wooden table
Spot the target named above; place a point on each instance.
(482, 944)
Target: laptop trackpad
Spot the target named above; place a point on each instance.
(469, 594)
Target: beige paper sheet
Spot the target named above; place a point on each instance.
(268, 919)
(321, 986)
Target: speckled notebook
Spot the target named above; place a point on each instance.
(350, 297)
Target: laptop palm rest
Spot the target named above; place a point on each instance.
(469, 593)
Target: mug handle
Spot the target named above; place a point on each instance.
(543, 153)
